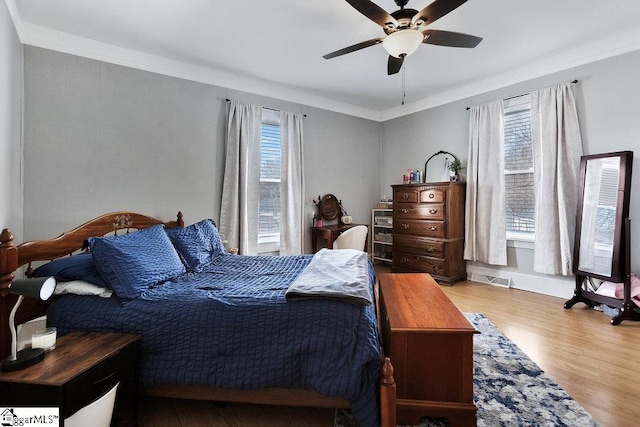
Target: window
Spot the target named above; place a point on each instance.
(269, 209)
(518, 169)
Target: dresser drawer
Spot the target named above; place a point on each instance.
(432, 195)
(424, 228)
(408, 195)
(420, 211)
(409, 261)
(420, 246)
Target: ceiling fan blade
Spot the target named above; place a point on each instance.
(374, 12)
(353, 48)
(394, 65)
(436, 10)
(451, 39)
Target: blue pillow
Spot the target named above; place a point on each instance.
(76, 267)
(132, 263)
(197, 244)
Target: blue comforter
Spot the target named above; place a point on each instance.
(230, 326)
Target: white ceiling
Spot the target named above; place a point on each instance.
(275, 47)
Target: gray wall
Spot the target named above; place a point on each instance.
(101, 137)
(606, 94)
(11, 63)
(407, 142)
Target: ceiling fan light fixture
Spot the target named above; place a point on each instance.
(402, 42)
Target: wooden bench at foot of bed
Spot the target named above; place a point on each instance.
(431, 344)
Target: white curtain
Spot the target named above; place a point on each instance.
(241, 187)
(557, 148)
(292, 184)
(485, 230)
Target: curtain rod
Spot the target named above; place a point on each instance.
(268, 108)
(523, 94)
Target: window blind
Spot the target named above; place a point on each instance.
(269, 210)
(519, 184)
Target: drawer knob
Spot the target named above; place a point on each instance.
(435, 268)
(433, 211)
(428, 247)
(433, 228)
(405, 196)
(404, 259)
(404, 226)
(405, 210)
(431, 195)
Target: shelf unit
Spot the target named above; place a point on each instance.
(382, 235)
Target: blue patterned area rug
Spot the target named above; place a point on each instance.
(509, 388)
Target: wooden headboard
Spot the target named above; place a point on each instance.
(14, 256)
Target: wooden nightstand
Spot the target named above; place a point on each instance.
(83, 366)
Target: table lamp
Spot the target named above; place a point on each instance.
(38, 287)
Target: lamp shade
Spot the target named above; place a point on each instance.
(402, 42)
(37, 287)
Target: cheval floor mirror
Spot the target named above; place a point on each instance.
(602, 243)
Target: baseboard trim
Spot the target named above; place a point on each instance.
(556, 286)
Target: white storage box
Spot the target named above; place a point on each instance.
(96, 414)
(384, 220)
(384, 237)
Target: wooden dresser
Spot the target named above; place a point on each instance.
(428, 229)
(430, 343)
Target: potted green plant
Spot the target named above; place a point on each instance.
(455, 167)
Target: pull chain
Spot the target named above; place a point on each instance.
(404, 93)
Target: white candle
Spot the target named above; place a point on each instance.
(45, 339)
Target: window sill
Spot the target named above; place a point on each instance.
(269, 243)
(516, 240)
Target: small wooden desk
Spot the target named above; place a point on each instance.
(430, 343)
(328, 233)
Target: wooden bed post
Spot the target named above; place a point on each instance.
(8, 265)
(8, 261)
(387, 395)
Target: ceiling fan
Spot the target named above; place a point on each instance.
(406, 30)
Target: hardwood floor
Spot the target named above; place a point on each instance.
(596, 363)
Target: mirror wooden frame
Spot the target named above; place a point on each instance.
(330, 207)
(620, 261)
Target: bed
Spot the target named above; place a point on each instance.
(214, 326)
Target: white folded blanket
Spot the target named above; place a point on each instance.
(334, 273)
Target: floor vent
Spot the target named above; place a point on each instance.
(505, 282)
